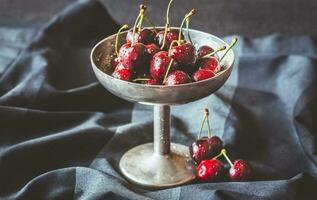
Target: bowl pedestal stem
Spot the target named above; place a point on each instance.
(159, 164)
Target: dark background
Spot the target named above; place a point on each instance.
(221, 17)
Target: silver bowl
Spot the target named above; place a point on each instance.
(159, 164)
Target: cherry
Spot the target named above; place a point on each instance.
(159, 65)
(177, 77)
(203, 74)
(152, 49)
(134, 57)
(210, 63)
(171, 35)
(239, 171)
(205, 147)
(184, 54)
(144, 36)
(122, 73)
(210, 170)
(204, 50)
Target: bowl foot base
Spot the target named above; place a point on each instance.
(141, 166)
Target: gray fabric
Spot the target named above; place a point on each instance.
(62, 134)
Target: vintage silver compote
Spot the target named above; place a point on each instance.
(161, 163)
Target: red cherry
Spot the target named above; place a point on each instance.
(122, 73)
(184, 54)
(177, 77)
(170, 37)
(159, 65)
(203, 74)
(204, 50)
(144, 36)
(134, 57)
(205, 148)
(210, 170)
(240, 171)
(152, 49)
(210, 63)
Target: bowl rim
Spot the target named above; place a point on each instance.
(160, 86)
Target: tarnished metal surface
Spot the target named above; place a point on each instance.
(142, 166)
(162, 123)
(162, 164)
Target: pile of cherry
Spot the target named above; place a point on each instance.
(163, 57)
(207, 151)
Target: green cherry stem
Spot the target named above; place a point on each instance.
(142, 9)
(187, 27)
(167, 25)
(217, 156)
(192, 12)
(172, 44)
(141, 79)
(139, 25)
(168, 69)
(202, 126)
(224, 153)
(117, 37)
(208, 124)
(214, 52)
(233, 42)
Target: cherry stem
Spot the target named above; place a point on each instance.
(192, 12)
(168, 69)
(208, 124)
(201, 127)
(140, 22)
(117, 38)
(172, 43)
(224, 153)
(206, 115)
(233, 42)
(214, 52)
(167, 25)
(142, 9)
(141, 79)
(187, 27)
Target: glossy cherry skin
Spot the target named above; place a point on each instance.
(202, 74)
(170, 36)
(184, 54)
(205, 148)
(177, 77)
(210, 63)
(240, 171)
(144, 36)
(122, 74)
(152, 49)
(159, 65)
(210, 170)
(204, 50)
(134, 57)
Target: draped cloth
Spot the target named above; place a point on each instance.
(62, 134)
